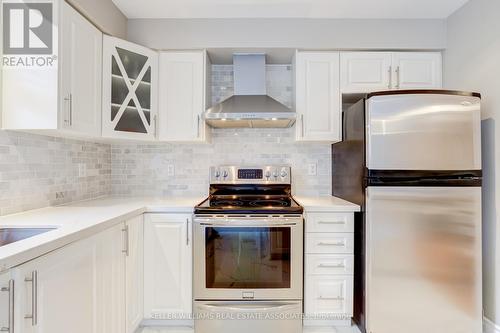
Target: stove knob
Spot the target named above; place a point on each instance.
(275, 174)
(217, 173)
(224, 174)
(283, 173)
(268, 174)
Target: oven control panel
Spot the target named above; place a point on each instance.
(250, 175)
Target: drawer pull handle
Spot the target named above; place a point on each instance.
(331, 265)
(332, 222)
(331, 244)
(338, 298)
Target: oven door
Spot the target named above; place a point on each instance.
(245, 258)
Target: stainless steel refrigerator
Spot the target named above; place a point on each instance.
(412, 160)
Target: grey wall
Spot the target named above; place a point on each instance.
(472, 63)
(104, 14)
(288, 33)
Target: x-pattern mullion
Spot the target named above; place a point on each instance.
(131, 91)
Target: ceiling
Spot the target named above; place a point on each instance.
(361, 9)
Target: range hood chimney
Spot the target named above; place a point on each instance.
(249, 106)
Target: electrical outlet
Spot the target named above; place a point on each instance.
(312, 169)
(82, 170)
(170, 170)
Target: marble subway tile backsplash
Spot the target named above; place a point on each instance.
(38, 171)
(142, 169)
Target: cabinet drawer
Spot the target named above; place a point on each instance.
(329, 222)
(329, 264)
(329, 295)
(330, 243)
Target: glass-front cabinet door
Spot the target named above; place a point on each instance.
(129, 90)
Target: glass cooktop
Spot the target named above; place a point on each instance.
(249, 200)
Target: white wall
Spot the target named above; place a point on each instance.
(104, 14)
(472, 62)
(288, 33)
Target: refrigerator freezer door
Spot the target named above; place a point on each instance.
(423, 132)
(423, 260)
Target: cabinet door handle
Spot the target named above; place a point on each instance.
(187, 231)
(155, 120)
(34, 298)
(390, 78)
(198, 126)
(125, 241)
(302, 123)
(69, 99)
(10, 290)
(398, 77)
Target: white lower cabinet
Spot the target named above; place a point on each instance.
(329, 295)
(6, 303)
(134, 277)
(329, 268)
(110, 299)
(94, 285)
(167, 266)
(58, 292)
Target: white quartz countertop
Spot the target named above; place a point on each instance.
(79, 220)
(83, 219)
(326, 204)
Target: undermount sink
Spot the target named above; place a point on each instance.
(11, 235)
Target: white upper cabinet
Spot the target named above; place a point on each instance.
(182, 98)
(417, 70)
(130, 84)
(167, 265)
(81, 64)
(317, 99)
(63, 98)
(363, 72)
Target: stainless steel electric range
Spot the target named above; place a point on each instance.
(248, 252)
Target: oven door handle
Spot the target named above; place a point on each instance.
(249, 307)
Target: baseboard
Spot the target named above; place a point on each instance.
(490, 327)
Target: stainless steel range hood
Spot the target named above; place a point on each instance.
(250, 106)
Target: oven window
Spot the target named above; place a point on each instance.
(253, 258)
